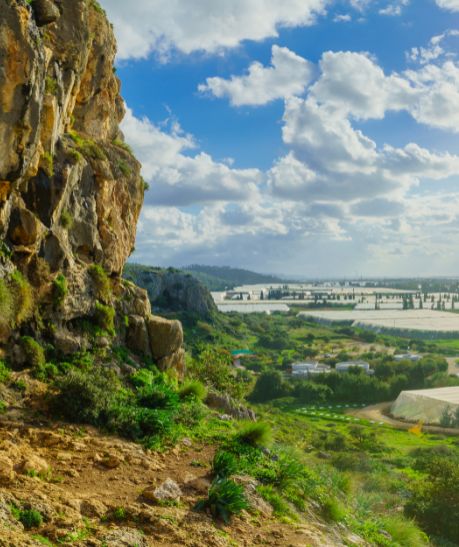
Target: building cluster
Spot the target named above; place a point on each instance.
(312, 368)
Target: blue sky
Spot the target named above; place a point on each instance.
(336, 153)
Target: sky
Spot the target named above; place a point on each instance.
(316, 138)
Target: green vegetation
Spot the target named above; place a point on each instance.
(23, 298)
(193, 389)
(255, 434)
(101, 283)
(30, 518)
(225, 498)
(66, 219)
(124, 167)
(217, 278)
(5, 372)
(34, 352)
(105, 318)
(60, 289)
(88, 147)
(121, 144)
(51, 86)
(47, 163)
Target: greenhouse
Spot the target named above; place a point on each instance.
(431, 406)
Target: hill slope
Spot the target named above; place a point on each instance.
(219, 278)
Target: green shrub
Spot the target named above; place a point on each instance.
(88, 147)
(30, 518)
(277, 502)
(60, 289)
(5, 372)
(157, 395)
(255, 434)
(35, 354)
(66, 219)
(224, 464)
(101, 283)
(405, 532)
(225, 498)
(193, 389)
(332, 510)
(48, 371)
(47, 163)
(6, 304)
(51, 85)
(86, 396)
(23, 298)
(105, 318)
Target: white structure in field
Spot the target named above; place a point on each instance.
(426, 405)
(407, 357)
(309, 368)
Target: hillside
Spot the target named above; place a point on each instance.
(219, 278)
(172, 290)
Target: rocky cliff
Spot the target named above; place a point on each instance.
(70, 188)
(173, 290)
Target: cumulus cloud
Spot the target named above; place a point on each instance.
(434, 50)
(288, 76)
(451, 5)
(144, 26)
(181, 179)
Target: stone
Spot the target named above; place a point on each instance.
(175, 361)
(7, 473)
(35, 464)
(222, 401)
(45, 12)
(256, 503)
(166, 337)
(125, 537)
(67, 343)
(93, 508)
(168, 492)
(137, 338)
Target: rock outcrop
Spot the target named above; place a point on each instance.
(70, 188)
(173, 290)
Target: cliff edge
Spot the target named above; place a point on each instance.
(70, 188)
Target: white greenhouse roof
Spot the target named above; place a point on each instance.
(444, 394)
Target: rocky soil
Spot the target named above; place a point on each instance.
(97, 490)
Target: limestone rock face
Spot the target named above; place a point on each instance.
(70, 189)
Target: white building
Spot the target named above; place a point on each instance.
(345, 366)
(309, 368)
(407, 357)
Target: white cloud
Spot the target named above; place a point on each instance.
(179, 179)
(144, 26)
(342, 18)
(451, 5)
(288, 76)
(434, 50)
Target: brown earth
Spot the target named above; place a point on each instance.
(78, 477)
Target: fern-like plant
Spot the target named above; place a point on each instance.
(225, 499)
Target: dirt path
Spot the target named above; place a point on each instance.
(95, 476)
(380, 413)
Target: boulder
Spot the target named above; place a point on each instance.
(7, 473)
(166, 337)
(137, 338)
(45, 12)
(125, 537)
(175, 361)
(222, 401)
(168, 492)
(35, 464)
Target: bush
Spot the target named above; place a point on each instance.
(105, 318)
(157, 395)
(277, 502)
(5, 372)
(224, 464)
(66, 219)
(193, 389)
(6, 304)
(225, 498)
(101, 283)
(86, 396)
(30, 518)
(405, 532)
(23, 298)
(255, 434)
(332, 510)
(35, 354)
(60, 289)
(269, 385)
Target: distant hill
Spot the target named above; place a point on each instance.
(172, 290)
(219, 278)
